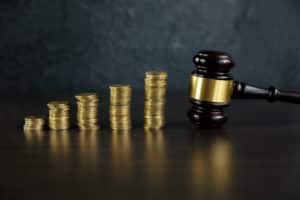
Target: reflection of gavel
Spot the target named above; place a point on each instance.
(212, 87)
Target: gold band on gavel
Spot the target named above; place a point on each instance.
(211, 90)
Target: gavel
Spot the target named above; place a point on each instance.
(212, 88)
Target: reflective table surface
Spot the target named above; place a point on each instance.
(254, 156)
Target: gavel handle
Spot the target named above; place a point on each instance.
(244, 91)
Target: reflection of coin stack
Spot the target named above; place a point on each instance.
(155, 92)
(87, 111)
(120, 99)
(34, 123)
(58, 115)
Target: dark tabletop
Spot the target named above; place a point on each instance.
(255, 155)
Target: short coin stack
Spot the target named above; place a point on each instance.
(59, 115)
(155, 92)
(33, 123)
(119, 111)
(87, 111)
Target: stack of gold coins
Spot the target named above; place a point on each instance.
(119, 111)
(155, 92)
(87, 111)
(34, 123)
(59, 115)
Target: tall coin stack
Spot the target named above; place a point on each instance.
(33, 123)
(155, 92)
(87, 111)
(119, 111)
(59, 115)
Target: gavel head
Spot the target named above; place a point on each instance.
(211, 87)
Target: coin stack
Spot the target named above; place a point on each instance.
(119, 111)
(34, 123)
(87, 111)
(58, 115)
(155, 92)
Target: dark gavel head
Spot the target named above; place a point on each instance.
(211, 88)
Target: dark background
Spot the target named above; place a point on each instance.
(83, 45)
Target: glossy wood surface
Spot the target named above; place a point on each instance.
(255, 155)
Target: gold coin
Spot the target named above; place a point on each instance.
(155, 88)
(120, 98)
(55, 126)
(59, 123)
(86, 96)
(154, 107)
(34, 123)
(90, 120)
(127, 109)
(87, 123)
(154, 114)
(153, 110)
(120, 131)
(156, 75)
(58, 104)
(120, 127)
(149, 83)
(33, 127)
(120, 94)
(119, 88)
(88, 112)
(34, 117)
(124, 124)
(119, 103)
(118, 120)
(58, 115)
(63, 118)
(153, 127)
(155, 94)
(124, 121)
(119, 115)
(87, 104)
(88, 127)
(154, 120)
(120, 108)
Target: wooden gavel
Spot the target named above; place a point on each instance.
(212, 88)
